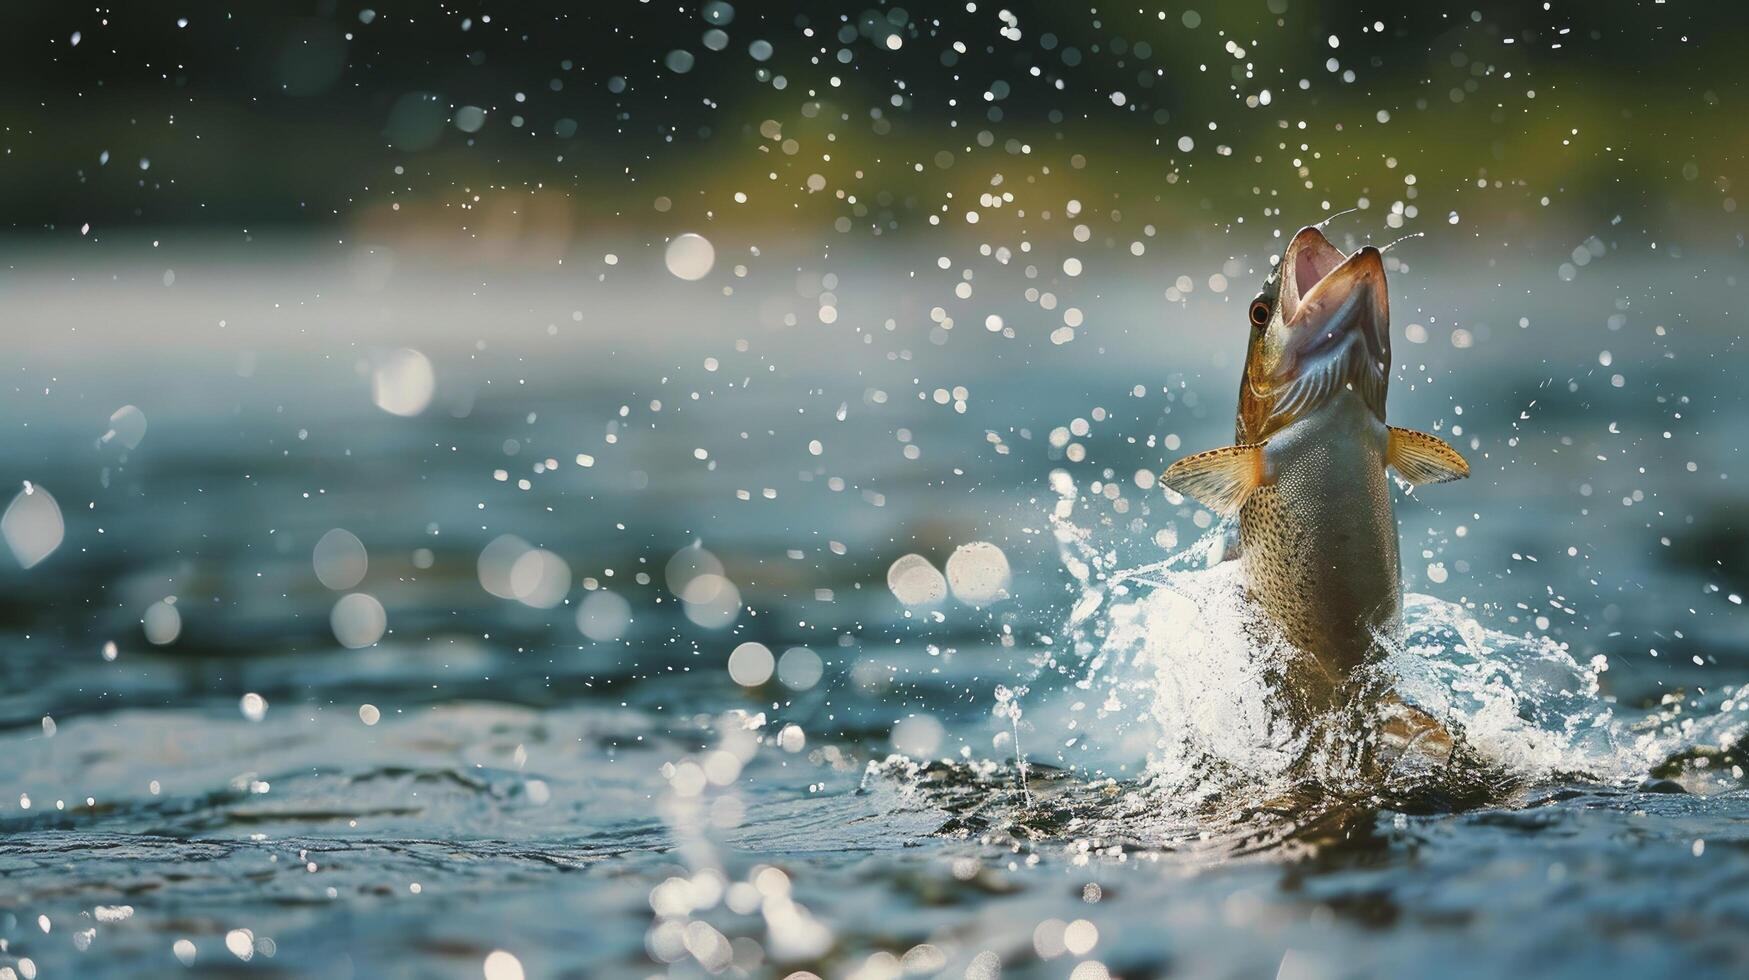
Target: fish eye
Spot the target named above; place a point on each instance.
(1259, 313)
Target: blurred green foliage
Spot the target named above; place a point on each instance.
(226, 115)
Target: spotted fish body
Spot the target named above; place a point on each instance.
(1320, 543)
(1306, 478)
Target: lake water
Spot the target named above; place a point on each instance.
(488, 782)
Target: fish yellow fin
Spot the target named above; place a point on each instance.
(1421, 458)
(1220, 478)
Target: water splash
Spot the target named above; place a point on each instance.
(1183, 667)
(1177, 737)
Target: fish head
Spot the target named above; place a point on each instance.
(1319, 328)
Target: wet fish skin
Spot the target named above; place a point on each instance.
(1306, 476)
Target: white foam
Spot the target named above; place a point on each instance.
(1180, 664)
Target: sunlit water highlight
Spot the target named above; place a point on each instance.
(189, 737)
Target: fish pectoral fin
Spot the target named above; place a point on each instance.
(1220, 478)
(1421, 458)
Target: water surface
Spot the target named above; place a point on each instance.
(623, 805)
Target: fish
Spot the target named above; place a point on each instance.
(1307, 474)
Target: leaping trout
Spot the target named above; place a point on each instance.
(1307, 476)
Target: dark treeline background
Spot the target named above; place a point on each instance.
(236, 115)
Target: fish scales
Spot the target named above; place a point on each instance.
(1307, 476)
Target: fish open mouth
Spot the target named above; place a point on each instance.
(1309, 261)
(1335, 294)
(1336, 312)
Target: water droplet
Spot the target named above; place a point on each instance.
(799, 668)
(750, 664)
(915, 582)
(540, 579)
(162, 623)
(470, 118)
(978, 573)
(500, 965)
(340, 559)
(603, 616)
(690, 256)
(32, 526)
(679, 61)
(127, 426)
(403, 382)
(358, 620)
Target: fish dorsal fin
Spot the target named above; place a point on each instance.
(1220, 478)
(1421, 458)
